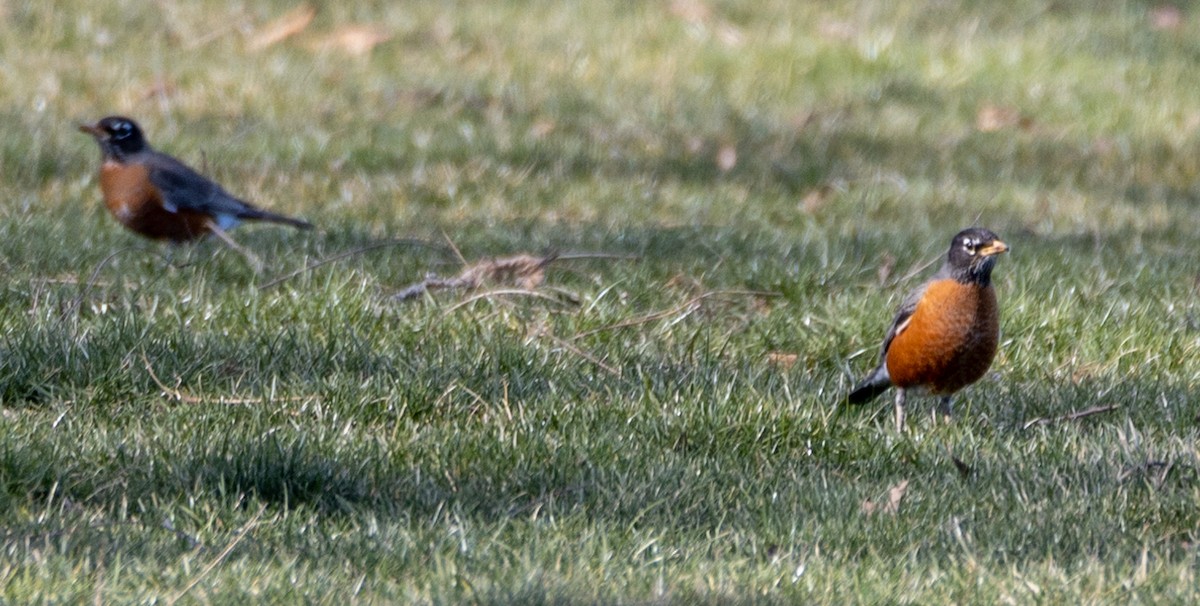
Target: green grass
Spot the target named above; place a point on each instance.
(170, 430)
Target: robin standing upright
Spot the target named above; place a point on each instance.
(945, 333)
(160, 197)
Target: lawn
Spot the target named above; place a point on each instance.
(739, 193)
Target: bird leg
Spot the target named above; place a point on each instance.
(944, 409)
(900, 410)
(253, 260)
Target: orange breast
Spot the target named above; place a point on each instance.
(137, 204)
(950, 339)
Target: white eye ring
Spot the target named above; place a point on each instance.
(970, 246)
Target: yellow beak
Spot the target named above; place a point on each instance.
(995, 248)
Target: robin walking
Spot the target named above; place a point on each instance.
(945, 334)
(162, 198)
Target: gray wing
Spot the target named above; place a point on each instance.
(900, 322)
(185, 189)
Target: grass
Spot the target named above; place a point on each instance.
(173, 432)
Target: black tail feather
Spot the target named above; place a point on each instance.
(870, 388)
(259, 214)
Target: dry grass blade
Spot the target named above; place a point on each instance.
(579, 352)
(1081, 414)
(240, 534)
(172, 393)
(912, 273)
(500, 293)
(179, 396)
(77, 303)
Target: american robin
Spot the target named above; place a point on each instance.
(160, 197)
(945, 333)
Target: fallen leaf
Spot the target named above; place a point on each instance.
(355, 40)
(683, 281)
(815, 199)
(1191, 122)
(726, 158)
(891, 507)
(541, 128)
(160, 88)
(895, 496)
(1088, 371)
(837, 30)
(1103, 146)
(761, 305)
(729, 34)
(992, 118)
(692, 11)
(283, 27)
(700, 15)
(1166, 17)
(802, 119)
(781, 359)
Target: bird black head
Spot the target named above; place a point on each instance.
(972, 256)
(118, 137)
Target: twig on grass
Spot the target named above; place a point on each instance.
(1164, 467)
(523, 270)
(179, 396)
(172, 393)
(1080, 414)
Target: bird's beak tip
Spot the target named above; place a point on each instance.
(997, 247)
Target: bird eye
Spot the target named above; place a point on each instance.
(119, 130)
(970, 246)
